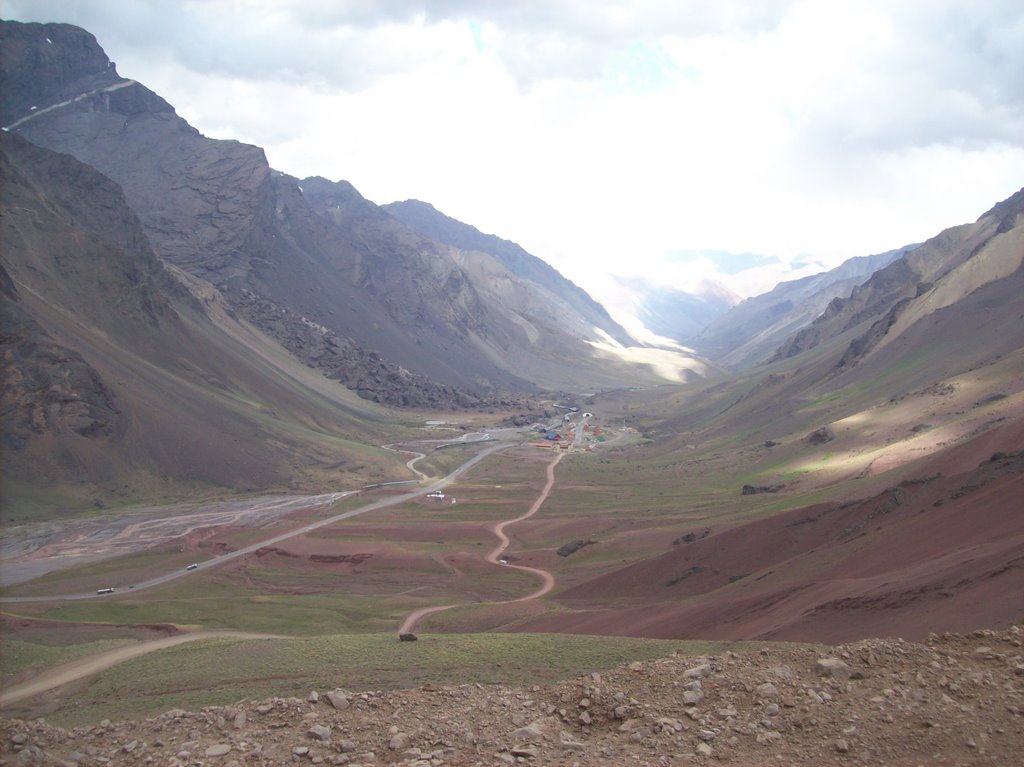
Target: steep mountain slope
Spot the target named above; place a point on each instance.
(217, 210)
(565, 295)
(514, 324)
(939, 273)
(751, 331)
(120, 384)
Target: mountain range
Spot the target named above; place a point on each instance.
(125, 379)
(178, 316)
(309, 251)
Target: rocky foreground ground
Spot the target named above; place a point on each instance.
(955, 700)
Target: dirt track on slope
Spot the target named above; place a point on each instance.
(546, 578)
(66, 673)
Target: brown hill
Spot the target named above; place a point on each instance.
(940, 550)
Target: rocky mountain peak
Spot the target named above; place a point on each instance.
(63, 60)
(1007, 212)
(328, 193)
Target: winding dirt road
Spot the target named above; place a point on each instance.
(546, 578)
(410, 464)
(58, 676)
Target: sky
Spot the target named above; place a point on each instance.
(638, 138)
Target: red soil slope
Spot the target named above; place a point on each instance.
(942, 550)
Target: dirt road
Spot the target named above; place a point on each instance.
(546, 578)
(416, 615)
(93, 664)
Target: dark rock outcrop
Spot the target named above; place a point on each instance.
(572, 547)
(758, 489)
(821, 436)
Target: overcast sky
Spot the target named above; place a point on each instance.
(609, 135)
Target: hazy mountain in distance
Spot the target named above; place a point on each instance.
(692, 290)
(752, 330)
(744, 274)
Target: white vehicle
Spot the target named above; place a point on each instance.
(105, 591)
(588, 415)
(192, 566)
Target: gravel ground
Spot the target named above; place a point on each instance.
(954, 700)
